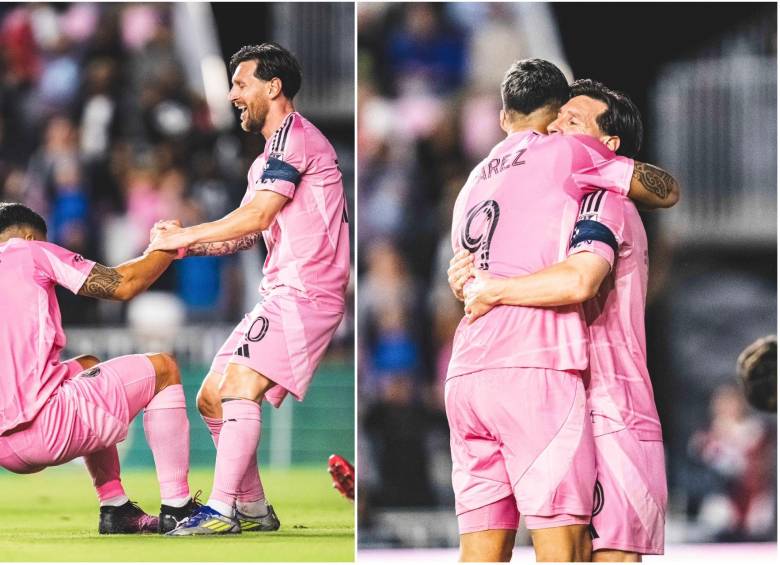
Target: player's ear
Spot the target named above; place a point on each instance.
(502, 120)
(612, 142)
(274, 88)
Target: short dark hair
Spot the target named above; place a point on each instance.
(530, 84)
(15, 214)
(621, 118)
(272, 60)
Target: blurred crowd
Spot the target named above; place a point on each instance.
(428, 104)
(101, 134)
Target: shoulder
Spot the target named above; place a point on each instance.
(310, 134)
(52, 251)
(291, 134)
(585, 145)
(41, 254)
(17, 248)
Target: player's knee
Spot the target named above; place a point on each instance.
(243, 382)
(166, 369)
(208, 402)
(229, 386)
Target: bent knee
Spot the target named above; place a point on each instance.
(208, 402)
(166, 368)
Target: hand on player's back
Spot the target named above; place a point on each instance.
(480, 295)
(461, 269)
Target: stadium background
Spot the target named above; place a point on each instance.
(704, 77)
(115, 115)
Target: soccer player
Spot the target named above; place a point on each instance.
(515, 400)
(296, 199)
(630, 500)
(53, 411)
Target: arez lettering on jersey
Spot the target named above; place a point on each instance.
(501, 164)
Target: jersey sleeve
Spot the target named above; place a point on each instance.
(600, 225)
(613, 174)
(286, 160)
(61, 266)
(596, 167)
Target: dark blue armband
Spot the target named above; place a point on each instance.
(590, 230)
(276, 169)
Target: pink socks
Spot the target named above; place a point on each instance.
(251, 488)
(167, 432)
(103, 467)
(237, 449)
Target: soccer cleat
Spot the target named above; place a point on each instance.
(206, 521)
(343, 474)
(269, 522)
(126, 519)
(171, 516)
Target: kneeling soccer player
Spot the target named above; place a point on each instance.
(53, 411)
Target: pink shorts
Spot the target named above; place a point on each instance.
(522, 433)
(283, 338)
(89, 412)
(503, 515)
(629, 511)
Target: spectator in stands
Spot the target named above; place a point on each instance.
(737, 450)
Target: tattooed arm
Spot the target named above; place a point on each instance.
(128, 279)
(223, 247)
(253, 217)
(652, 187)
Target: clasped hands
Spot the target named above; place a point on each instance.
(168, 235)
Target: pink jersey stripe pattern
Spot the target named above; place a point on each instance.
(516, 214)
(308, 242)
(31, 335)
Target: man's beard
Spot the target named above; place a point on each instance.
(254, 125)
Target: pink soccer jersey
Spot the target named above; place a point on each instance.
(31, 335)
(516, 214)
(308, 242)
(619, 392)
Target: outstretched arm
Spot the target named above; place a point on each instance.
(652, 187)
(218, 248)
(252, 218)
(128, 279)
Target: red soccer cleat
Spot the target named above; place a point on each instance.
(343, 474)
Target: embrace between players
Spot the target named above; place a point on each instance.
(548, 397)
(52, 411)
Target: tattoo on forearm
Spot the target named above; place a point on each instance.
(655, 180)
(223, 247)
(102, 282)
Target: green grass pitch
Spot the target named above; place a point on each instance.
(53, 516)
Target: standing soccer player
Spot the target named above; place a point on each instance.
(51, 411)
(515, 214)
(519, 432)
(296, 199)
(630, 502)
